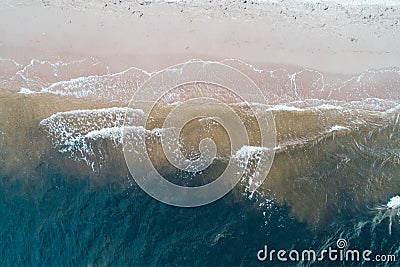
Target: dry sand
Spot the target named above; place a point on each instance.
(328, 37)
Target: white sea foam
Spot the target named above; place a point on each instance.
(247, 152)
(113, 133)
(289, 91)
(113, 87)
(71, 130)
(390, 212)
(284, 108)
(394, 203)
(328, 107)
(26, 91)
(251, 180)
(337, 128)
(299, 108)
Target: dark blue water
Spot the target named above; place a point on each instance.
(49, 219)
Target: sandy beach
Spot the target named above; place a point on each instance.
(327, 36)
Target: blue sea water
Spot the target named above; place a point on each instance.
(58, 220)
